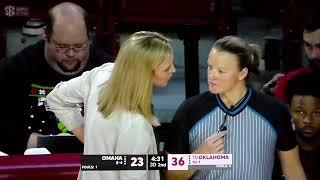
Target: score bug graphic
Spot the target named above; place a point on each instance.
(156, 162)
(113, 162)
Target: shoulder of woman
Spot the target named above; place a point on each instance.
(101, 74)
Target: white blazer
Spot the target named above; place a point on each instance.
(123, 132)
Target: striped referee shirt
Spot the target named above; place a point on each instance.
(256, 128)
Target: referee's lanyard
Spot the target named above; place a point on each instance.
(223, 126)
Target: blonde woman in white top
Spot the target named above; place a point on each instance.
(117, 103)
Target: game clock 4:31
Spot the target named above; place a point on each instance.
(157, 162)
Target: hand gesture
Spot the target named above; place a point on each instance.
(212, 145)
(270, 86)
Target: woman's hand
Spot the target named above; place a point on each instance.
(212, 145)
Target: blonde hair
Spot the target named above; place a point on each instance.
(130, 85)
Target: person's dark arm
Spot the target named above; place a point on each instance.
(269, 87)
(291, 165)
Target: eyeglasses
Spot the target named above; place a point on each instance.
(64, 48)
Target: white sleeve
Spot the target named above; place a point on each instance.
(65, 98)
(134, 141)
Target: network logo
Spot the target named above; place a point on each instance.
(12, 11)
(9, 11)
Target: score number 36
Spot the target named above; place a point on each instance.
(176, 162)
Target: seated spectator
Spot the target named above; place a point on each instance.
(304, 101)
(311, 43)
(28, 76)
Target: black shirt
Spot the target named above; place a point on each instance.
(26, 78)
